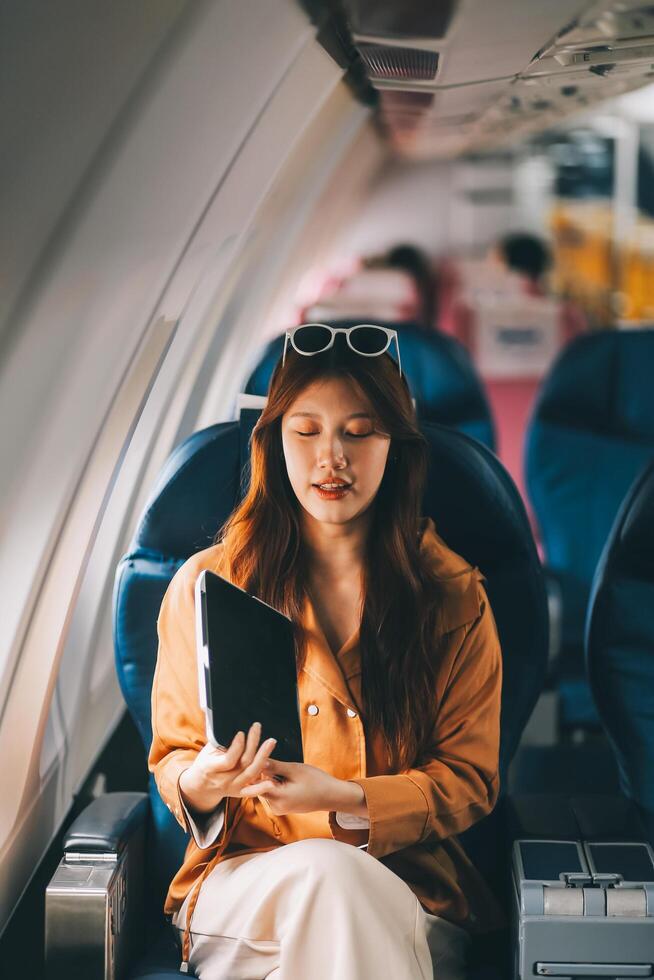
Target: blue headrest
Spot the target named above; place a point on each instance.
(475, 507)
(439, 372)
(620, 643)
(591, 432)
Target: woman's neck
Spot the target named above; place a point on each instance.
(335, 551)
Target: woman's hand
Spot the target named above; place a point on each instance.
(216, 773)
(295, 787)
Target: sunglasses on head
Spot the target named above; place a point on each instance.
(367, 339)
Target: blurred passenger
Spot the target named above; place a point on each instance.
(397, 286)
(455, 314)
(418, 265)
(371, 294)
(518, 265)
(504, 312)
(528, 259)
(526, 255)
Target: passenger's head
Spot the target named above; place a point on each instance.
(331, 433)
(417, 264)
(338, 415)
(411, 259)
(525, 254)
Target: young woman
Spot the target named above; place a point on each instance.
(346, 866)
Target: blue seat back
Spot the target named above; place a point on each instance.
(472, 500)
(439, 372)
(591, 432)
(193, 495)
(620, 643)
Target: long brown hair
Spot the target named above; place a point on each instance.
(265, 553)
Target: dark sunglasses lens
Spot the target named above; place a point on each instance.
(368, 340)
(312, 339)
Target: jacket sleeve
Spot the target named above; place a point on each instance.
(178, 721)
(459, 784)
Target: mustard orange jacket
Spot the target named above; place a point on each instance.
(414, 815)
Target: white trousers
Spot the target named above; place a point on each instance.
(317, 909)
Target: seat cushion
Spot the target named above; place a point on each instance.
(160, 959)
(157, 975)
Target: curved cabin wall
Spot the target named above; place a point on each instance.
(235, 152)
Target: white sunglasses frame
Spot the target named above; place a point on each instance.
(390, 336)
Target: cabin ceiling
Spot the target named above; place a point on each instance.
(455, 76)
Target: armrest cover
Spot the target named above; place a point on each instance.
(107, 823)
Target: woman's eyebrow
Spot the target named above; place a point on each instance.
(314, 415)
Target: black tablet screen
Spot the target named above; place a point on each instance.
(252, 668)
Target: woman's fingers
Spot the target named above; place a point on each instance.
(228, 758)
(262, 755)
(277, 766)
(258, 789)
(224, 760)
(257, 763)
(237, 742)
(251, 745)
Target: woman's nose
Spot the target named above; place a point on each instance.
(331, 454)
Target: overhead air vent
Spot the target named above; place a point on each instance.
(398, 64)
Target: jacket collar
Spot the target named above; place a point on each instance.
(460, 605)
(332, 671)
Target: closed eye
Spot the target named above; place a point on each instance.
(352, 435)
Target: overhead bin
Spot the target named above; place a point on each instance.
(485, 56)
(410, 18)
(610, 21)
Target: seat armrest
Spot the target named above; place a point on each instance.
(94, 912)
(107, 824)
(583, 887)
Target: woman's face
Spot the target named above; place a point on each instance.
(329, 436)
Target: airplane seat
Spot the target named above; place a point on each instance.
(620, 644)
(440, 374)
(591, 431)
(479, 513)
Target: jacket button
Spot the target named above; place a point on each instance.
(351, 714)
(313, 709)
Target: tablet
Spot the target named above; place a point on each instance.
(246, 667)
